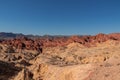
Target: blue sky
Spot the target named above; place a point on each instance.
(60, 17)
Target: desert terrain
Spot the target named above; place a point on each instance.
(75, 57)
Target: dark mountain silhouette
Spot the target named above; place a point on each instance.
(8, 35)
(5, 35)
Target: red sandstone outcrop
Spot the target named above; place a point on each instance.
(37, 44)
(23, 43)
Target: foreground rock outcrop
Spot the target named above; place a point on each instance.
(8, 70)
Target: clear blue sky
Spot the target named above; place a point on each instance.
(60, 17)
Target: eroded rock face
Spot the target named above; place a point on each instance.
(50, 72)
(63, 58)
(8, 70)
(84, 40)
(24, 43)
(37, 44)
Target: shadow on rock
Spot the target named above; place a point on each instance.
(8, 70)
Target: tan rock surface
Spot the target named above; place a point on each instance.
(74, 58)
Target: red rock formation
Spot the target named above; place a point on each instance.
(23, 43)
(37, 44)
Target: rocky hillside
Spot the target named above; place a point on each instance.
(61, 58)
(23, 42)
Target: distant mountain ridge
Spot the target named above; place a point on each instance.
(8, 35)
(4, 35)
